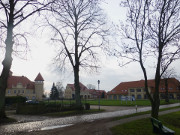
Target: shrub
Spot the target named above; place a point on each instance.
(28, 108)
(23, 108)
(14, 100)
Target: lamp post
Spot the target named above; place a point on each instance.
(99, 93)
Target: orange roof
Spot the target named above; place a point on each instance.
(14, 80)
(39, 77)
(123, 87)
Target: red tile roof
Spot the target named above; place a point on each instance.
(25, 82)
(39, 77)
(81, 86)
(123, 87)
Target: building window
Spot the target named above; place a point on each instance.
(131, 90)
(138, 90)
(19, 91)
(171, 96)
(22, 91)
(33, 91)
(9, 91)
(119, 97)
(115, 97)
(138, 96)
(14, 91)
(170, 88)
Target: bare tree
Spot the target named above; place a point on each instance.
(169, 73)
(80, 32)
(13, 13)
(60, 89)
(91, 86)
(154, 33)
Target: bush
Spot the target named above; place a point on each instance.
(28, 108)
(14, 100)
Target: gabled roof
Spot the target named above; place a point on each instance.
(39, 77)
(24, 81)
(93, 91)
(82, 86)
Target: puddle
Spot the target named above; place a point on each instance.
(53, 127)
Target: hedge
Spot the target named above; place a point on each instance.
(14, 100)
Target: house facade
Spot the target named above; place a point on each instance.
(22, 86)
(84, 92)
(136, 89)
(70, 91)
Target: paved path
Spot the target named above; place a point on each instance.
(67, 121)
(115, 108)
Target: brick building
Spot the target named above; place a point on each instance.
(136, 89)
(22, 86)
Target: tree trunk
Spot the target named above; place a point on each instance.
(156, 101)
(2, 101)
(155, 108)
(7, 60)
(166, 88)
(4, 76)
(77, 87)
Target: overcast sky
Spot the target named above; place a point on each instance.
(40, 57)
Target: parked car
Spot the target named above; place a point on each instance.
(32, 101)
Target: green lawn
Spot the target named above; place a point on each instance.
(142, 113)
(124, 103)
(144, 126)
(106, 102)
(74, 112)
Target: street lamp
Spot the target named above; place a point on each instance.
(99, 93)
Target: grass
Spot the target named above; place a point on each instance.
(106, 102)
(144, 126)
(74, 112)
(142, 113)
(128, 103)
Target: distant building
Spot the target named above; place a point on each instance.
(22, 86)
(84, 92)
(136, 89)
(70, 91)
(97, 93)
